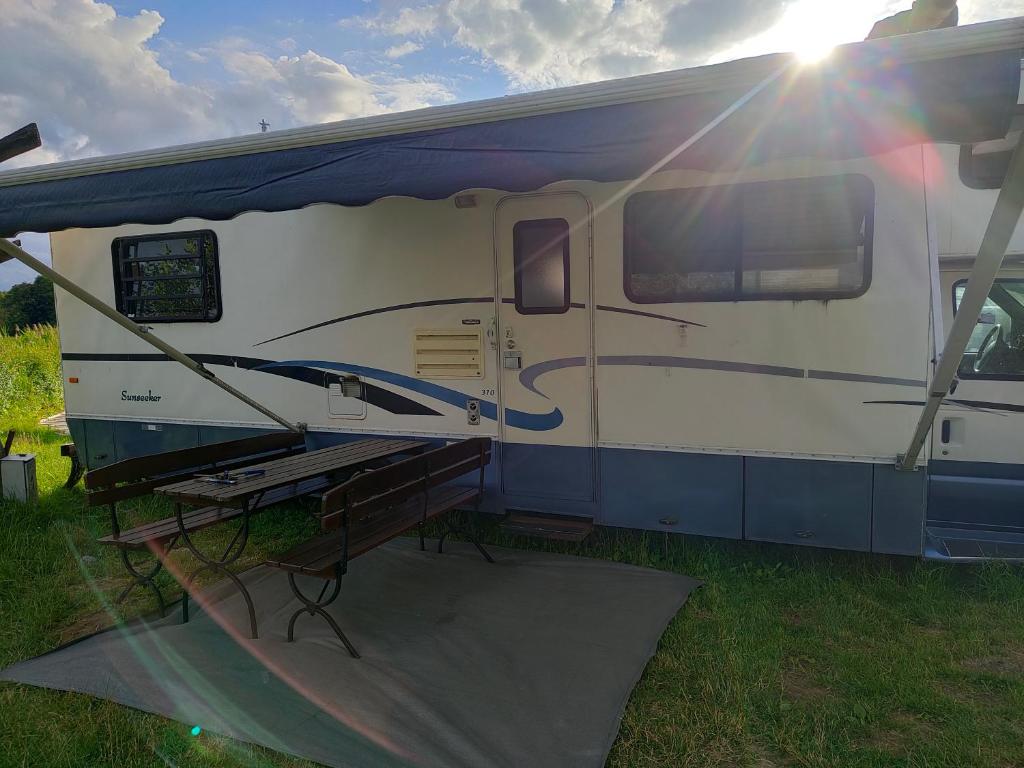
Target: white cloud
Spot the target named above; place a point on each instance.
(90, 80)
(93, 82)
(403, 49)
(14, 272)
(416, 20)
(544, 43)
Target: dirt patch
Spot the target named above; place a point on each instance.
(931, 631)
(900, 734)
(768, 758)
(86, 625)
(799, 685)
(1010, 663)
(794, 618)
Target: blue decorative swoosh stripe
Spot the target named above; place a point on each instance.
(519, 419)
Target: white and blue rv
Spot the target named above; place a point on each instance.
(706, 302)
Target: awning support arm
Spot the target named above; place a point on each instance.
(1001, 227)
(11, 251)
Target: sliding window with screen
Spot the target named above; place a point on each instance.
(798, 239)
(168, 278)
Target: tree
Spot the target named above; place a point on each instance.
(27, 304)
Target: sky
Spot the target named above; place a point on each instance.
(101, 78)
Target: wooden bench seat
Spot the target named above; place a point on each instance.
(377, 506)
(319, 555)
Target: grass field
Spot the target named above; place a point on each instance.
(787, 657)
(30, 378)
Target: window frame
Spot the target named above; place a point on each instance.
(518, 268)
(116, 249)
(970, 179)
(983, 376)
(737, 294)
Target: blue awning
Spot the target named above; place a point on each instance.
(858, 105)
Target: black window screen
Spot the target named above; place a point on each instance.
(541, 253)
(793, 239)
(168, 278)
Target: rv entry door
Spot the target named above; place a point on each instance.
(544, 340)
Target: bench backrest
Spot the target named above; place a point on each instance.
(139, 476)
(379, 489)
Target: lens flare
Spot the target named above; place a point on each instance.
(813, 51)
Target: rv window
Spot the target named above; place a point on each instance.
(996, 348)
(168, 278)
(541, 254)
(794, 239)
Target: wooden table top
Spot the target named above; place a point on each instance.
(278, 473)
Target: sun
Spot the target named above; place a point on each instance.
(813, 51)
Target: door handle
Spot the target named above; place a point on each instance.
(947, 428)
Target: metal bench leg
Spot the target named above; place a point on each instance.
(230, 555)
(467, 529)
(76, 472)
(316, 608)
(146, 578)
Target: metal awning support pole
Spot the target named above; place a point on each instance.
(1001, 227)
(11, 251)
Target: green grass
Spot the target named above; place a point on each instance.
(30, 377)
(787, 657)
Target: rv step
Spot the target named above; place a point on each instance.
(542, 526)
(966, 545)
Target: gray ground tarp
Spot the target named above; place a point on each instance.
(529, 661)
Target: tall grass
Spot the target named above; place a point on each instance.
(30, 376)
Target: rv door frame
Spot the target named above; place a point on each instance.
(591, 319)
(1003, 223)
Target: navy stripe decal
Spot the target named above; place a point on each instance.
(380, 311)
(700, 364)
(372, 395)
(980, 405)
(636, 313)
(454, 302)
(864, 379)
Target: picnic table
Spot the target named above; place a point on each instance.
(244, 489)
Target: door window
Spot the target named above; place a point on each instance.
(540, 251)
(996, 348)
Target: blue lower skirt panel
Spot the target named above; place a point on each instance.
(976, 495)
(841, 505)
(678, 492)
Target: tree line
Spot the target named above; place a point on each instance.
(27, 304)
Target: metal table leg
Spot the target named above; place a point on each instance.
(316, 608)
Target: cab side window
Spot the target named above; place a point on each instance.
(996, 348)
